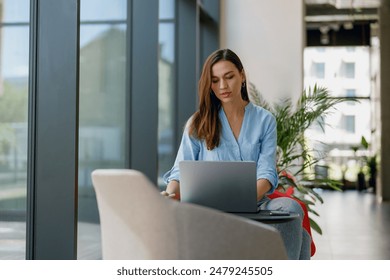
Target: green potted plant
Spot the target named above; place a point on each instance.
(361, 178)
(371, 162)
(296, 160)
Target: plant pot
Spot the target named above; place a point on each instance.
(361, 182)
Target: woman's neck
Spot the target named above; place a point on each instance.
(236, 109)
(235, 115)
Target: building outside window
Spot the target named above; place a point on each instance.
(347, 75)
(14, 72)
(102, 109)
(166, 88)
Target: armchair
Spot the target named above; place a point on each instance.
(138, 223)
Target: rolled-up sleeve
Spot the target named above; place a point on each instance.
(266, 164)
(188, 150)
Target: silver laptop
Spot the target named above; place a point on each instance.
(229, 186)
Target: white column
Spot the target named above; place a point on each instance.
(269, 37)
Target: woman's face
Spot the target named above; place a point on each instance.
(226, 81)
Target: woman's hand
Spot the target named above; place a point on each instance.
(263, 186)
(172, 190)
(167, 194)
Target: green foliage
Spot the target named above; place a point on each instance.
(370, 161)
(13, 109)
(295, 160)
(364, 142)
(13, 103)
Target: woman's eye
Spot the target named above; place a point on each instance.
(229, 77)
(214, 81)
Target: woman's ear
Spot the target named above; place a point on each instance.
(243, 76)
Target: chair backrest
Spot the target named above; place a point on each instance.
(138, 223)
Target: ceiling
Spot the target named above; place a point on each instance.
(341, 10)
(346, 4)
(340, 22)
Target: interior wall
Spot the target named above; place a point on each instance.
(269, 37)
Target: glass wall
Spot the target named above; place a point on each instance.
(102, 111)
(112, 100)
(345, 71)
(14, 70)
(166, 88)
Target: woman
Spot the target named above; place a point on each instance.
(228, 127)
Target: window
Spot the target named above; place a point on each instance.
(102, 109)
(350, 93)
(349, 120)
(348, 70)
(319, 70)
(113, 126)
(14, 45)
(348, 123)
(166, 88)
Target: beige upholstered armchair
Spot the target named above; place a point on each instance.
(138, 223)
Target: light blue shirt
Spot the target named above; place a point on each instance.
(256, 142)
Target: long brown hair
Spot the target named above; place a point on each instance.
(205, 124)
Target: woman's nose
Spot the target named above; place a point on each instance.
(222, 84)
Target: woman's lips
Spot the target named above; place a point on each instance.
(225, 94)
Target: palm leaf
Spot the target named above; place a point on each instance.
(315, 226)
(313, 212)
(292, 120)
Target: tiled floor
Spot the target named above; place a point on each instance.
(13, 245)
(355, 226)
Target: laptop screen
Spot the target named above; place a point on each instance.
(228, 186)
